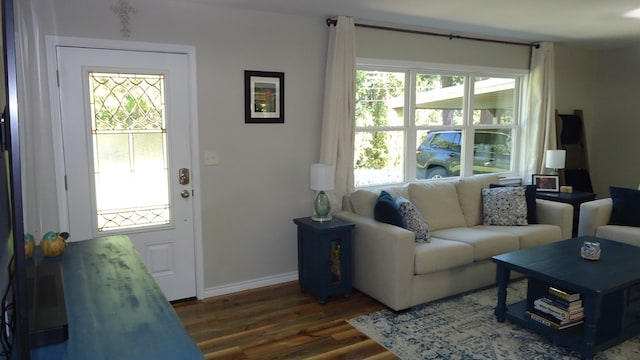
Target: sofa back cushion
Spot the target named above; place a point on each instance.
(364, 201)
(438, 203)
(470, 196)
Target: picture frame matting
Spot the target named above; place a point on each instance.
(264, 97)
(543, 182)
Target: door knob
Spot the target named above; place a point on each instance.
(185, 194)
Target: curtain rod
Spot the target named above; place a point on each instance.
(450, 36)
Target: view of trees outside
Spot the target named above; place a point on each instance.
(380, 155)
(379, 150)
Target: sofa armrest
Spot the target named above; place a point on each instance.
(594, 214)
(556, 213)
(383, 260)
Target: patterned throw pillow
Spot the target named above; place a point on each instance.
(530, 196)
(504, 206)
(413, 221)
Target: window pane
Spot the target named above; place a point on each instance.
(439, 99)
(438, 154)
(379, 98)
(379, 157)
(130, 155)
(493, 101)
(492, 151)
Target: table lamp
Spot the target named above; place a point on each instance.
(555, 160)
(321, 181)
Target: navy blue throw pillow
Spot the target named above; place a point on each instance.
(626, 206)
(530, 196)
(386, 210)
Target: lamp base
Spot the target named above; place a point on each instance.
(321, 218)
(321, 207)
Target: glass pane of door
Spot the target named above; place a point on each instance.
(129, 150)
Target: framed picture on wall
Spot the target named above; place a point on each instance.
(546, 182)
(263, 97)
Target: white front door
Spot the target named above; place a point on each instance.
(125, 121)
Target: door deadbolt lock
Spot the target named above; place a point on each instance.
(185, 193)
(183, 176)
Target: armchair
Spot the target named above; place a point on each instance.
(594, 221)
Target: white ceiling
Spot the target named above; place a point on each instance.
(590, 23)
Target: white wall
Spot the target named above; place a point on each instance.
(615, 144)
(576, 74)
(262, 181)
(393, 45)
(604, 84)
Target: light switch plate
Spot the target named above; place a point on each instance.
(211, 157)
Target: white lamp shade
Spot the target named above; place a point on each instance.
(555, 159)
(321, 177)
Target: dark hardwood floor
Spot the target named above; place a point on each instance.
(280, 322)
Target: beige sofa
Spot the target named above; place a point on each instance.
(391, 267)
(594, 221)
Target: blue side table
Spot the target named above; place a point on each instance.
(325, 257)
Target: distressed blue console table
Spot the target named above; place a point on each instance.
(114, 307)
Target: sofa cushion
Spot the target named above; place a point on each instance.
(504, 206)
(470, 196)
(485, 243)
(441, 254)
(387, 211)
(530, 197)
(438, 203)
(531, 235)
(412, 219)
(363, 202)
(624, 234)
(626, 206)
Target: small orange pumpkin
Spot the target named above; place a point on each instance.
(53, 244)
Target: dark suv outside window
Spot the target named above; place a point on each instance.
(438, 156)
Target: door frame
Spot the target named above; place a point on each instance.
(52, 42)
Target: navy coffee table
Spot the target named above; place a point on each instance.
(610, 289)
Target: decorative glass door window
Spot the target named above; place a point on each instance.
(129, 150)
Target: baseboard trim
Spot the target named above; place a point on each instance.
(250, 284)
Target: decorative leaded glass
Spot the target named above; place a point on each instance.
(129, 150)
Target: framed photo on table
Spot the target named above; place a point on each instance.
(263, 97)
(546, 182)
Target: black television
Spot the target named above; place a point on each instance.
(13, 281)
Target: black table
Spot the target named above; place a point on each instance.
(574, 199)
(609, 287)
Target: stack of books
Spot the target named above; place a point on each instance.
(558, 309)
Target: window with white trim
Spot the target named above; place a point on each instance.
(415, 123)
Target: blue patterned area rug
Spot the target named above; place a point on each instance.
(464, 327)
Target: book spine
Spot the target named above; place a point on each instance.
(563, 294)
(551, 323)
(562, 303)
(542, 320)
(560, 315)
(553, 307)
